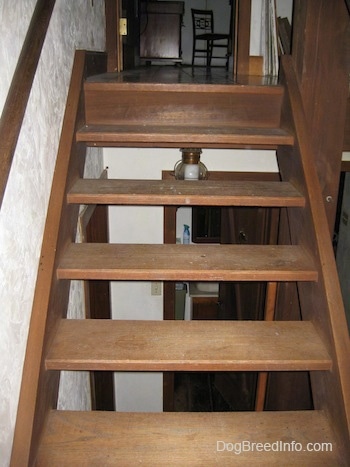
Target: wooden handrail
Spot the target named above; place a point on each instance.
(39, 388)
(18, 95)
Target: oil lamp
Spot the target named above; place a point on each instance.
(190, 167)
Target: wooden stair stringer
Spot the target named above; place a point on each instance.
(39, 388)
(321, 301)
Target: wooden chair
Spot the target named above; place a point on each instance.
(203, 31)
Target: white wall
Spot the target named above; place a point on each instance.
(284, 9)
(133, 300)
(75, 24)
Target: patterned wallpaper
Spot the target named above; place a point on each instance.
(77, 24)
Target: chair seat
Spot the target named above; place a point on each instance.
(212, 36)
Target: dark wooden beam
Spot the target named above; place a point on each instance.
(111, 9)
(242, 28)
(99, 307)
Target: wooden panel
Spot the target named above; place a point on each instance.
(180, 192)
(256, 65)
(183, 346)
(205, 308)
(179, 135)
(159, 439)
(160, 24)
(191, 104)
(186, 262)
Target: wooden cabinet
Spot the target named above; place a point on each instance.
(205, 308)
(160, 30)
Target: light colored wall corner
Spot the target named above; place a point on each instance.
(74, 25)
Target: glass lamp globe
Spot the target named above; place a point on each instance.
(190, 167)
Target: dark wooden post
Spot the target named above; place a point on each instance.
(113, 40)
(242, 36)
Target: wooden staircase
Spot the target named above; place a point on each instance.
(111, 112)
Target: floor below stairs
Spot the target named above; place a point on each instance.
(204, 392)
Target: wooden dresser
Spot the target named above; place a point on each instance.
(160, 31)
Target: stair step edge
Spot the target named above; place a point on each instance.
(122, 345)
(177, 135)
(179, 192)
(111, 438)
(197, 262)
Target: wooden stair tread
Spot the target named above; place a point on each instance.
(186, 262)
(183, 346)
(168, 438)
(175, 135)
(181, 192)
